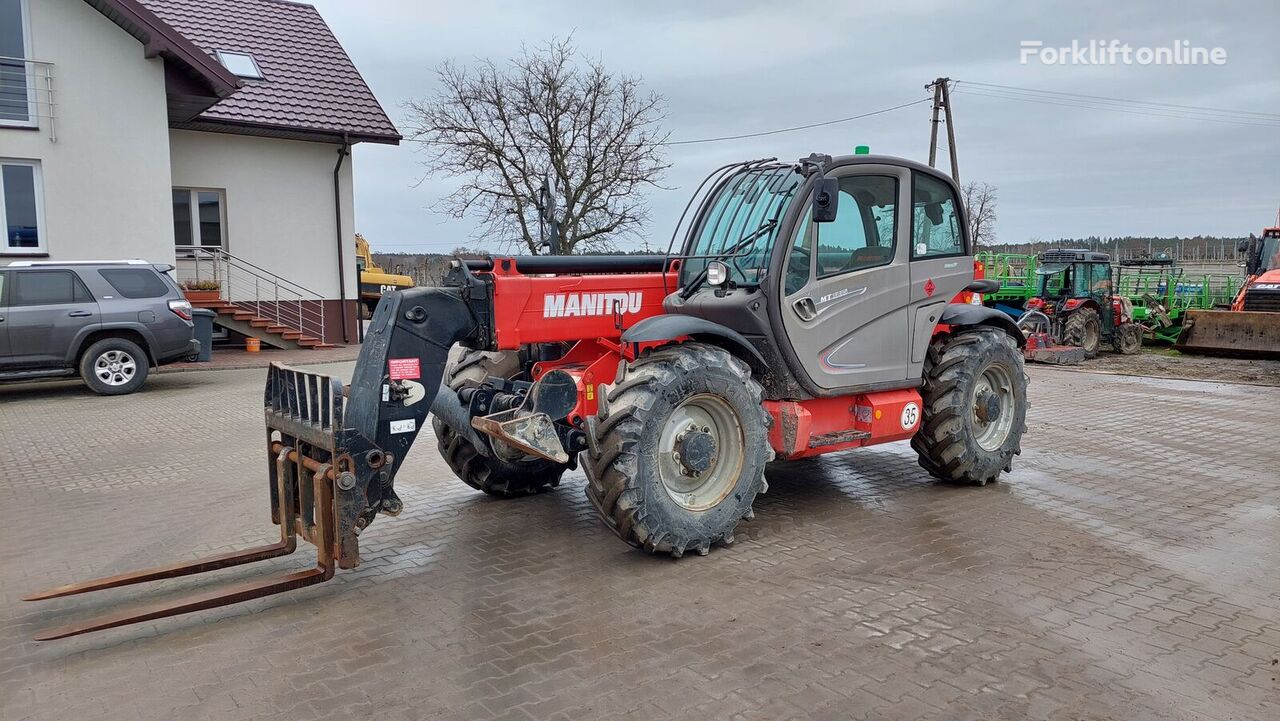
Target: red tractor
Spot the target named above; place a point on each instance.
(808, 311)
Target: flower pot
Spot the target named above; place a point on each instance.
(202, 296)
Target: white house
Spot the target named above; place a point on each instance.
(215, 136)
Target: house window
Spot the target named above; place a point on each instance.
(199, 218)
(15, 80)
(22, 209)
(240, 64)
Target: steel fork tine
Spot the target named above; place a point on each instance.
(287, 544)
(198, 602)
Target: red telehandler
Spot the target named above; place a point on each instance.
(807, 311)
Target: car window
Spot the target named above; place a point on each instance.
(135, 282)
(47, 287)
(935, 224)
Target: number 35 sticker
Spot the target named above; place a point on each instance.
(910, 416)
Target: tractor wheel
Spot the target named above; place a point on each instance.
(681, 450)
(1127, 339)
(508, 472)
(975, 407)
(1085, 330)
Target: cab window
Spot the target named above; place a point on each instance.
(862, 235)
(935, 221)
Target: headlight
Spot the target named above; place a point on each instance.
(717, 273)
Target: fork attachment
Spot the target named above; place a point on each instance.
(332, 459)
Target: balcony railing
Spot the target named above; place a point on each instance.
(26, 94)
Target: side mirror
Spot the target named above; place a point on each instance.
(826, 199)
(1242, 245)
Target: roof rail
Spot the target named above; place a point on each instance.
(33, 263)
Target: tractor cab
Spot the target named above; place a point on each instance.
(1075, 297)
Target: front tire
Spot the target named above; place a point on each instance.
(682, 450)
(975, 406)
(1084, 329)
(114, 367)
(507, 473)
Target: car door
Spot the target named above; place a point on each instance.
(47, 311)
(845, 286)
(941, 265)
(6, 356)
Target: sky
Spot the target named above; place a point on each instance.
(733, 67)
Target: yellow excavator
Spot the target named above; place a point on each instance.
(375, 281)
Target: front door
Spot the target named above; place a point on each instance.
(845, 284)
(6, 356)
(941, 265)
(47, 310)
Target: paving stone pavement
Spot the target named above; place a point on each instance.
(1126, 569)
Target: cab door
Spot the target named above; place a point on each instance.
(941, 263)
(844, 307)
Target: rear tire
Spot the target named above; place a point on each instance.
(688, 398)
(114, 367)
(1085, 330)
(975, 405)
(1127, 339)
(506, 473)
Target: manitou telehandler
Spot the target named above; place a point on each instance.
(807, 311)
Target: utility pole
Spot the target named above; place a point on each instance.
(942, 101)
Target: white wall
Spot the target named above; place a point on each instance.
(279, 202)
(106, 179)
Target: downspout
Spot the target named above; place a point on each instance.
(343, 152)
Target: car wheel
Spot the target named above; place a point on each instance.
(114, 367)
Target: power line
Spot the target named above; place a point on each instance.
(1251, 122)
(1268, 116)
(743, 136)
(797, 127)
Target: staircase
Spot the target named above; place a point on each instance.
(254, 301)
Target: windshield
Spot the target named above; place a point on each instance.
(1270, 254)
(1077, 280)
(744, 206)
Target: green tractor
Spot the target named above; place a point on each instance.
(1075, 305)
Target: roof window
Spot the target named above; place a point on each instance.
(240, 64)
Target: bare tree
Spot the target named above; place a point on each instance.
(980, 202)
(594, 136)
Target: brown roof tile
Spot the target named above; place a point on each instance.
(310, 86)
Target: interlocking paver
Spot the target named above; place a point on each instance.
(1125, 569)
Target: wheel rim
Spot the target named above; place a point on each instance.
(115, 367)
(704, 425)
(993, 407)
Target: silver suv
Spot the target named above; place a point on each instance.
(107, 321)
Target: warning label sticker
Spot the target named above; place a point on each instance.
(405, 426)
(403, 368)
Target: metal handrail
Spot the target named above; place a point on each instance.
(249, 286)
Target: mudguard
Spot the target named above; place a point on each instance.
(670, 326)
(963, 314)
